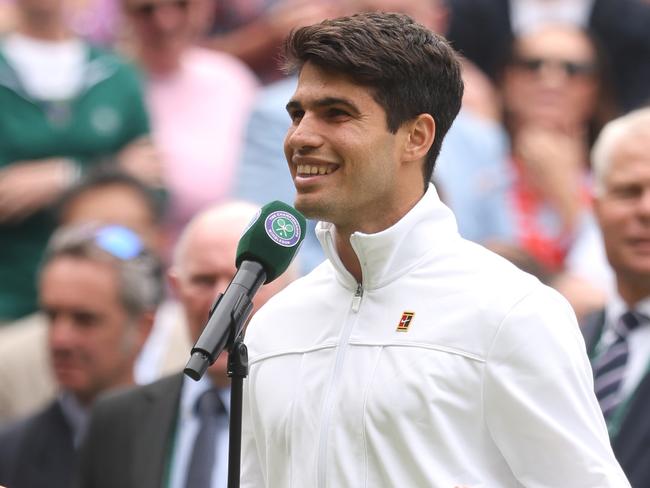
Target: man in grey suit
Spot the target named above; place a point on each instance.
(618, 337)
(145, 438)
(99, 288)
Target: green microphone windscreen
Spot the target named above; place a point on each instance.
(272, 238)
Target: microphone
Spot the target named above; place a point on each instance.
(267, 247)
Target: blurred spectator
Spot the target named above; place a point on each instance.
(99, 287)
(253, 30)
(149, 433)
(483, 31)
(618, 336)
(65, 106)
(105, 197)
(199, 100)
(551, 91)
(97, 21)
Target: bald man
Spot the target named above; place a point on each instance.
(145, 437)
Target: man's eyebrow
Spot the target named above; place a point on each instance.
(324, 102)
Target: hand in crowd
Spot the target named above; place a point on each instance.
(142, 159)
(28, 186)
(553, 164)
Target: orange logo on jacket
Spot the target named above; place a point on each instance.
(405, 322)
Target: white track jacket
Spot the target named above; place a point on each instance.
(447, 367)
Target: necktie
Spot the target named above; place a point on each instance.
(609, 368)
(211, 414)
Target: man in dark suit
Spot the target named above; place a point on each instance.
(618, 337)
(145, 438)
(99, 288)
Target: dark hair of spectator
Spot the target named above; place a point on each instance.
(109, 176)
(409, 69)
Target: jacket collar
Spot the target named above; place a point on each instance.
(100, 65)
(388, 254)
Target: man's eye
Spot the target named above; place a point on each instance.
(337, 112)
(630, 191)
(85, 319)
(204, 281)
(296, 115)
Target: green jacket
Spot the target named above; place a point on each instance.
(107, 113)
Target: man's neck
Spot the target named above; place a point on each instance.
(44, 30)
(346, 253)
(159, 64)
(633, 291)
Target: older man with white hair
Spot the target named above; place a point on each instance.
(175, 432)
(618, 336)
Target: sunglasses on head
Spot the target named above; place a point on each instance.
(570, 68)
(148, 9)
(119, 242)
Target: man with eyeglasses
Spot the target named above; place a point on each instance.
(99, 287)
(174, 432)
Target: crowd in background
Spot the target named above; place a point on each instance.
(143, 113)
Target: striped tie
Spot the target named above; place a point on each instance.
(609, 368)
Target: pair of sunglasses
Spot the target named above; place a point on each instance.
(148, 9)
(119, 242)
(572, 69)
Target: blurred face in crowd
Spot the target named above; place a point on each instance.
(115, 204)
(204, 265)
(93, 341)
(162, 27)
(432, 13)
(552, 80)
(41, 7)
(623, 211)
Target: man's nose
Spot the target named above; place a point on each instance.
(304, 134)
(62, 333)
(167, 16)
(644, 203)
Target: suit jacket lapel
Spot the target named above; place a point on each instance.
(157, 421)
(635, 429)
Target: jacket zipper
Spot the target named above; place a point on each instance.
(329, 399)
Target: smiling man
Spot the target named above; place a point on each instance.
(99, 287)
(411, 357)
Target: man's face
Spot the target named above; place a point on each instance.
(92, 341)
(41, 8)
(623, 212)
(553, 80)
(163, 24)
(343, 159)
(204, 270)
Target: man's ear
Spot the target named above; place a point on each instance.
(420, 137)
(173, 279)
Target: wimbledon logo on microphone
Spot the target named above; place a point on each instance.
(283, 228)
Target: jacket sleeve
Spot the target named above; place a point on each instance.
(539, 402)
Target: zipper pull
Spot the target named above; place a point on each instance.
(356, 300)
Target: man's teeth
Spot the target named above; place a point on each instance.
(314, 169)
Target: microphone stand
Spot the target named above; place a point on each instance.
(237, 371)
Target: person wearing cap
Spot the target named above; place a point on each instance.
(99, 288)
